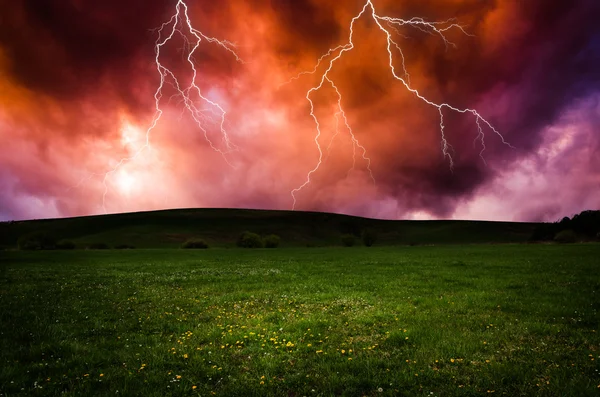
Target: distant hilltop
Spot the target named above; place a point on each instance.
(223, 227)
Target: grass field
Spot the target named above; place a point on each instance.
(465, 320)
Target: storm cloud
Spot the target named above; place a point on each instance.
(78, 79)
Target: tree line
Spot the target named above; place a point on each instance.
(584, 226)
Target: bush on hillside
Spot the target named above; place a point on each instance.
(65, 245)
(250, 240)
(124, 247)
(350, 226)
(272, 241)
(544, 232)
(566, 236)
(36, 241)
(586, 223)
(348, 240)
(369, 237)
(98, 246)
(195, 243)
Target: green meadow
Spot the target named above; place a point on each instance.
(460, 320)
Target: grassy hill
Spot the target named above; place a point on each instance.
(221, 228)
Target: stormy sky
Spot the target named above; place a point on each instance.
(78, 106)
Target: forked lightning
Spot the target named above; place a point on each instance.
(188, 93)
(388, 27)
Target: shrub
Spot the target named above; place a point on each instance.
(36, 241)
(348, 240)
(98, 246)
(272, 241)
(195, 243)
(598, 236)
(369, 237)
(566, 236)
(124, 247)
(350, 226)
(544, 232)
(65, 245)
(586, 223)
(250, 240)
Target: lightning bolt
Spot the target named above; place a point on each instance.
(199, 107)
(387, 25)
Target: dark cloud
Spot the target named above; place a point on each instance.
(62, 47)
(306, 26)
